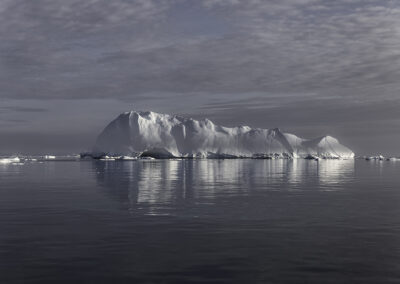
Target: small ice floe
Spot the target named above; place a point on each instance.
(107, 158)
(49, 157)
(126, 158)
(147, 158)
(375, 158)
(392, 159)
(14, 160)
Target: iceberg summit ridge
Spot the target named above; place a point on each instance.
(151, 134)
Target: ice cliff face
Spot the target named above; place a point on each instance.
(167, 136)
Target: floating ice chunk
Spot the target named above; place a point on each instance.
(375, 158)
(147, 158)
(126, 158)
(49, 157)
(10, 160)
(393, 159)
(107, 158)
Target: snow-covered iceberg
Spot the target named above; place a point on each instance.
(167, 136)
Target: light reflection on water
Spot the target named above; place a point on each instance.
(172, 181)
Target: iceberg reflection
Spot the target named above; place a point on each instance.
(335, 172)
(160, 183)
(328, 174)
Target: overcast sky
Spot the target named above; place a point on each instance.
(309, 67)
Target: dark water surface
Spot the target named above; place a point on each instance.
(206, 221)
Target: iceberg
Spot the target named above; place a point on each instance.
(150, 134)
(14, 160)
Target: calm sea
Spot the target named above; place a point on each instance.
(204, 221)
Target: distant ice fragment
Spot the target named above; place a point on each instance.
(126, 158)
(10, 160)
(375, 158)
(49, 157)
(107, 158)
(147, 158)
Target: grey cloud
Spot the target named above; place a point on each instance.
(71, 16)
(290, 53)
(305, 58)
